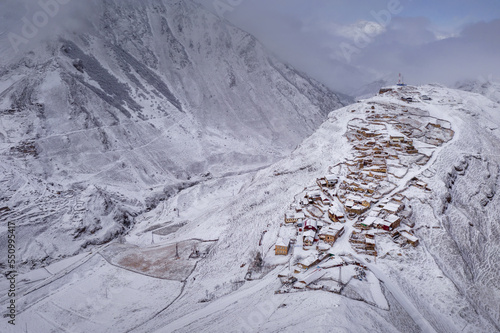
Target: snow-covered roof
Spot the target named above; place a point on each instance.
(354, 197)
(309, 233)
(331, 178)
(314, 194)
(314, 276)
(307, 261)
(408, 236)
(322, 246)
(421, 183)
(392, 218)
(335, 210)
(392, 207)
(385, 223)
(370, 220)
(349, 203)
(311, 223)
(282, 242)
(358, 206)
(336, 227)
(370, 241)
(294, 215)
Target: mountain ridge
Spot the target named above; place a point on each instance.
(148, 98)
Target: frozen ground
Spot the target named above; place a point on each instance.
(447, 284)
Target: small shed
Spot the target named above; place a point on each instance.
(411, 239)
(331, 180)
(308, 237)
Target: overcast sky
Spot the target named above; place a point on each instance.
(345, 44)
(348, 43)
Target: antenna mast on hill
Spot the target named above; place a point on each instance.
(401, 81)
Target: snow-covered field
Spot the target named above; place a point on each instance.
(446, 284)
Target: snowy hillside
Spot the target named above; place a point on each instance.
(486, 88)
(97, 128)
(204, 259)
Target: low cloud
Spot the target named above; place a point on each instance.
(344, 46)
(413, 46)
(372, 42)
(25, 24)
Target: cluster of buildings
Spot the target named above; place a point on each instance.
(357, 193)
(357, 206)
(316, 217)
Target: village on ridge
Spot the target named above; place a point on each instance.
(342, 216)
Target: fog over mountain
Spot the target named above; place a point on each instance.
(366, 41)
(360, 43)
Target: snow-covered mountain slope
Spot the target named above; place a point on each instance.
(154, 97)
(210, 235)
(486, 88)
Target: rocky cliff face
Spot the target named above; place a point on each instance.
(154, 97)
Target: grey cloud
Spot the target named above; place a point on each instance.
(312, 42)
(26, 24)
